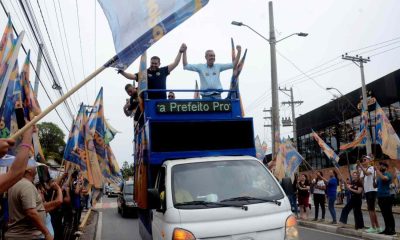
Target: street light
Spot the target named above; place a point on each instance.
(274, 76)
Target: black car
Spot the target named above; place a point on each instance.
(126, 204)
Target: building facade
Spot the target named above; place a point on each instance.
(338, 122)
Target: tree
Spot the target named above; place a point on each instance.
(51, 138)
(127, 170)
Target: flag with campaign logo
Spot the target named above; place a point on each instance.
(326, 149)
(75, 149)
(110, 132)
(361, 136)
(8, 121)
(137, 24)
(5, 44)
(363, 125)
(292, 158)
(385, 135)
(259, 152)
(30, 102)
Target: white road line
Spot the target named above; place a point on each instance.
(325, 232)
(99, 226)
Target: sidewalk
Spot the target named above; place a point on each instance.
(396, 209)
(348, 230)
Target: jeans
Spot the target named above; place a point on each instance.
(331, 207)
(293, 203)
(385, 204)
(355, 205)
(319, 200)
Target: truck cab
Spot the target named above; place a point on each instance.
(196, 175)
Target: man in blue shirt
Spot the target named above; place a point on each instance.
(384, 178)
(209, 72)
(156, 76)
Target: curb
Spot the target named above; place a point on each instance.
(85, 219)
(345, 231)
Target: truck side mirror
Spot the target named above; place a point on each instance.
(154, 200)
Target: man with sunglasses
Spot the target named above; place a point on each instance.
(156, 76)
(171, 95)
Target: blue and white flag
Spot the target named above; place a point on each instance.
(138, 24)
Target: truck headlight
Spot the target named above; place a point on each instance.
(291, 232)
(182, 234)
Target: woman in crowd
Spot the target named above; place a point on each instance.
(303, 191)
(356, 190)
(319, 196)
(331, 192)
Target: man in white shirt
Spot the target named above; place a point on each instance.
(368, 176)
(209, 72)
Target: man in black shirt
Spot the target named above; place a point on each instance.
(132, 102)
(156, 76)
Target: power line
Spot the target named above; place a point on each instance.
(80, 44)
(34, 69)
(39, 39)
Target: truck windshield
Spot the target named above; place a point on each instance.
(228, 182)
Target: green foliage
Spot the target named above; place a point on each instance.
(127, 170)
(51, 138)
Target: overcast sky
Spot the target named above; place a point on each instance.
(334, 27)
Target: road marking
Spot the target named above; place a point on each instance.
(106, 205)
(335, 234)
(99, 226)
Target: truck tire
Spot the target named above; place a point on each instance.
(123, 212)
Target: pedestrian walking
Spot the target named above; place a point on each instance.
(384, 179)
(319, 196)
(303, 187)
(331, 192)
(355, 202)
(368, 177)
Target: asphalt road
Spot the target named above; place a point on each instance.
(112, 226)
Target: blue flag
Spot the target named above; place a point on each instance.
(138, 24)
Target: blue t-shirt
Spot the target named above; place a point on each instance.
(384, 186)
(331, 189)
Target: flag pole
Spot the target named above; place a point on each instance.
(62, 99)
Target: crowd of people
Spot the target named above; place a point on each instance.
(370, 183)
(38, 208)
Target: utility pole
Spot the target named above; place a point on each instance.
(269, 125)
(359, 61)
(38, 66)
(274, 85)
(292, 103)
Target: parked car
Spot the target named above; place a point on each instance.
(126, 204)
(111, 191)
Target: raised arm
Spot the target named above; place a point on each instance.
(54, 204)
(184, 58)
(128, 75)
(17, 169)
(173, 65)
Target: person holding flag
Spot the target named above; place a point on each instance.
(157, 77)
(368, 177)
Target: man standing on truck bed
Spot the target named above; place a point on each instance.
(209, 72)
(156, 76)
